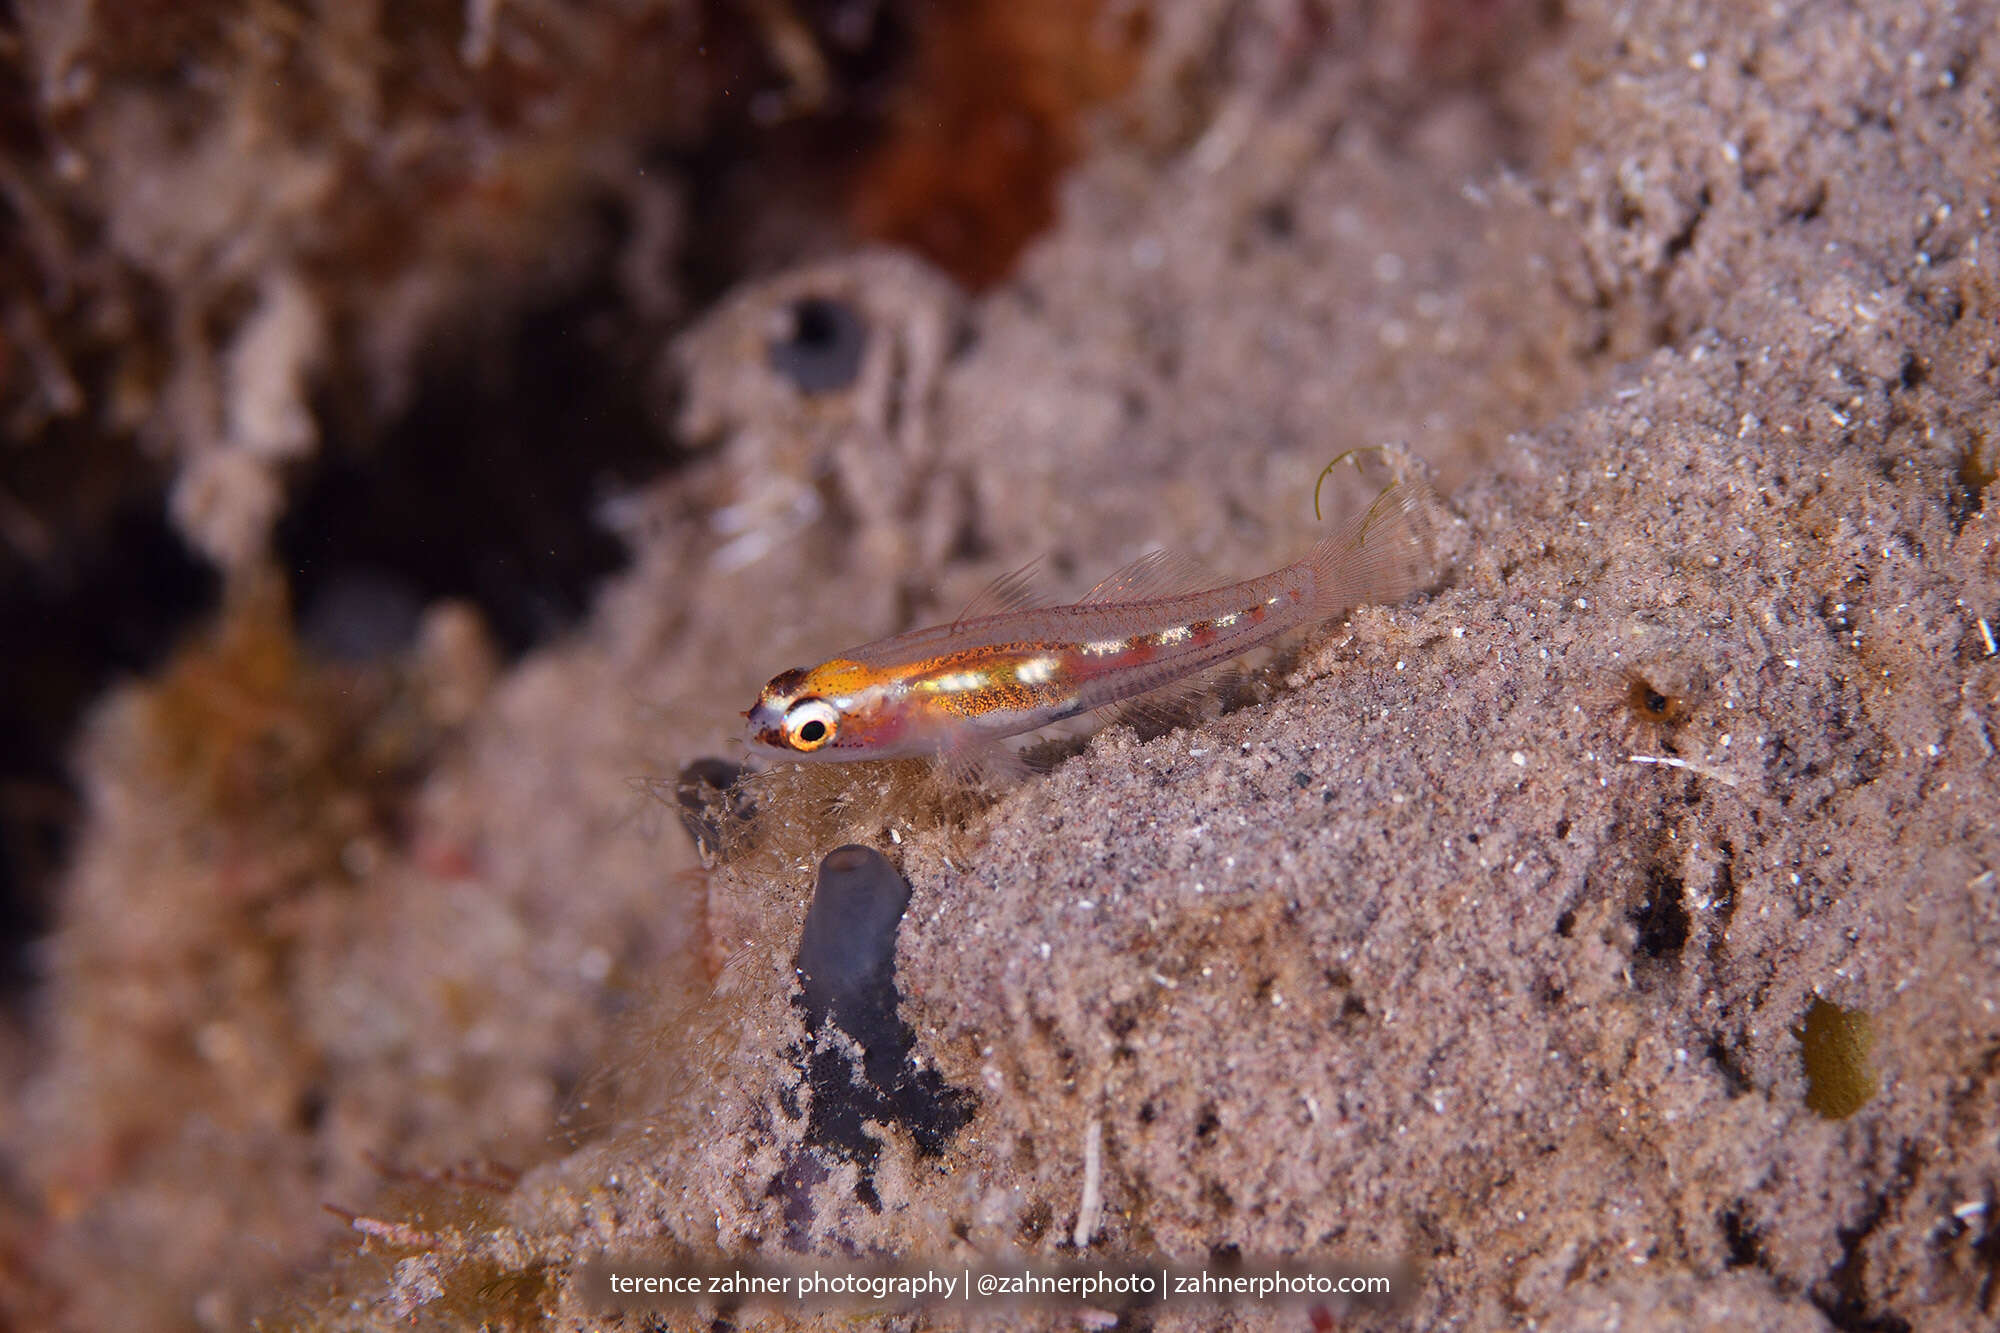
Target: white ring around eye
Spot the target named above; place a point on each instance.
(809, 724)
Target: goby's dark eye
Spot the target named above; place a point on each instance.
(809, 724)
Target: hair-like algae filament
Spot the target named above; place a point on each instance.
(1836, 1042)
(783, 819)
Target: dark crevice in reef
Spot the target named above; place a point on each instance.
(1842, 1296)
(846, 964)
(1728, 1063)
(1746, 1249)
(488, 488)
(109, 600)
(1723, 895)
(1661, 917)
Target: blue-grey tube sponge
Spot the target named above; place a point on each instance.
(847, 973)
(847, 955)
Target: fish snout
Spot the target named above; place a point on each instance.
(764, 728)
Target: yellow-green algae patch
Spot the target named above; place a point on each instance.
(1836, 1043)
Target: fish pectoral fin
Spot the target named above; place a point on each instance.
(982, 763)
(1019, 591)
(1156, 574)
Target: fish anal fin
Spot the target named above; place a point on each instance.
(1020, 590)
(1153, 575)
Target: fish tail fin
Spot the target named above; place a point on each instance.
(1383, 556)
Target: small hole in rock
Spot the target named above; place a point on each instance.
(1740, 1237)
(1650, 703)
(821, 350)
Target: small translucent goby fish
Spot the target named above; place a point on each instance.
(1007, 666)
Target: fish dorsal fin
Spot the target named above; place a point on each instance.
(1154, 575)
(1018, 591)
